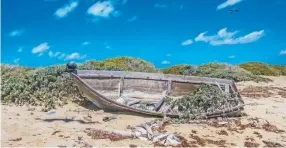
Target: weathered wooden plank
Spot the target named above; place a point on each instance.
(169, 87)
(120, 86)
(159, 104)
(226, 88)
(150, 76)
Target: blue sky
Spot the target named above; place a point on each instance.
(163, 32)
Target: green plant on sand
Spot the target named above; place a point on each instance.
(205, 99)
(258, 68)
(214, 70)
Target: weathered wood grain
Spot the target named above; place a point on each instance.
(150, 76)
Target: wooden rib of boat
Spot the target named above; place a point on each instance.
(104, 87)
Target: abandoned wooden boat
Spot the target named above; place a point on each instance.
(110, 90)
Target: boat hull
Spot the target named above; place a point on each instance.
(90, 82)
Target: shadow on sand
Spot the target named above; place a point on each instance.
(67, 120)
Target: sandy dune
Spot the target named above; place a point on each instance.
(28, 126)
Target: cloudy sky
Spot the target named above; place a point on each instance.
(164, 32)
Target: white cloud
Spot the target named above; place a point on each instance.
(16, 61)
(40, 49)
(65, 10)
(160, 6)
(124, 2)
(134, 18)
(40, 54)
(85, 43)
(168, 55)
(187, 42)
(74, 56)
(283, 52)
(231, 57)
(50, 53)
(102, 9)
(107, 46)
(165, 62)
(226, 38)
(56, 54)
(228, 3)
(20, 50)
(16, 33)
(64, 56)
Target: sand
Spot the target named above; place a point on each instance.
(28, 127)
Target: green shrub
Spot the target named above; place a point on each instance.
(280, 68)
(48, 87)
(122, 64)
(176, 70)
(257, 68)
(51, 86)
(222, 71)
(215, 70)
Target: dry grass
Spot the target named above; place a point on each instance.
(222, 132)
(202, 142)
(132, 145)
(251, 144)
(272, 144)
(263, 92)
(99, 134)
(258, 135)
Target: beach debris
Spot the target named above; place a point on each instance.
(108, 118)
(87, 119)
(130, 127)
(132, 145)
(31, 109)
(271, 128)
(146, 131)
(67, 136)
(55, 132)
(199, 141)
(51, 112)
(16, 139)
(258, 134)
(250, 144)
(222, 132)
(272, 144)
(100, 134)
(86, 145)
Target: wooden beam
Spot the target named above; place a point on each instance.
(120, 87)
(149, 76)
(169, 86)
(226, 88)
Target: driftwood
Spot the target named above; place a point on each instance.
(130, 103)
(148, 129)
(159, 104)
(123, 133)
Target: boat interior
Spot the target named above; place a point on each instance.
(132, 88)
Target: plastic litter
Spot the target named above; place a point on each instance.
(51, 112)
